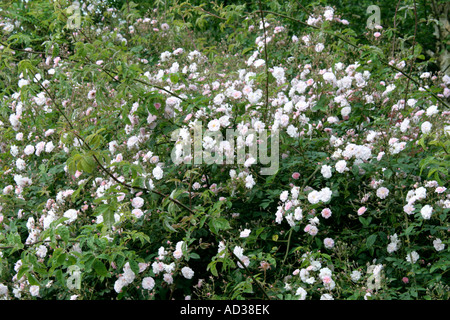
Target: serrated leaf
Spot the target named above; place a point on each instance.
(86, 164)
(212, 267)
(108, 215)
(64, 233)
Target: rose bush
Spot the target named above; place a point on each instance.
(99, 201)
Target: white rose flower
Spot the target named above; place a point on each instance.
(341, 166)
(412, 257)
(20, 164)
(301, 293)
(355, 275)
(346, 111)
(137, 202)
(426, 212)
(426, 127)
(314, 197)
(72, 214)
(382, 192)
(41, 252)
(245, 233)
(132, 142)
(34, 291)
(214, 125)
(326, 171)
(29, 149)
(158, 173)
(148, 283)
(187, 272)
(319, 47)
(438, 245)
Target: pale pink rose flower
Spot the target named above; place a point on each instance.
(361, 211)
(137, 202)
(326, 213)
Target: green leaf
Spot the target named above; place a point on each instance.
(388, 173)
(365, 221)
(108, 215)
(212, 267)
(247, 50)
(321, 104)
(174, 78)
(32, 280)
(409, 229)
(134, 266)
(22, 271)
(61, 259)
(217, 224)
(371, 240)
(64, 233)
(86, 164)
(100, 268)
(194, 255)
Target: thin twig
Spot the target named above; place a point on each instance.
(395, 27)
(412, 49)
(266, 60)
(211, 14)
(108, 71)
